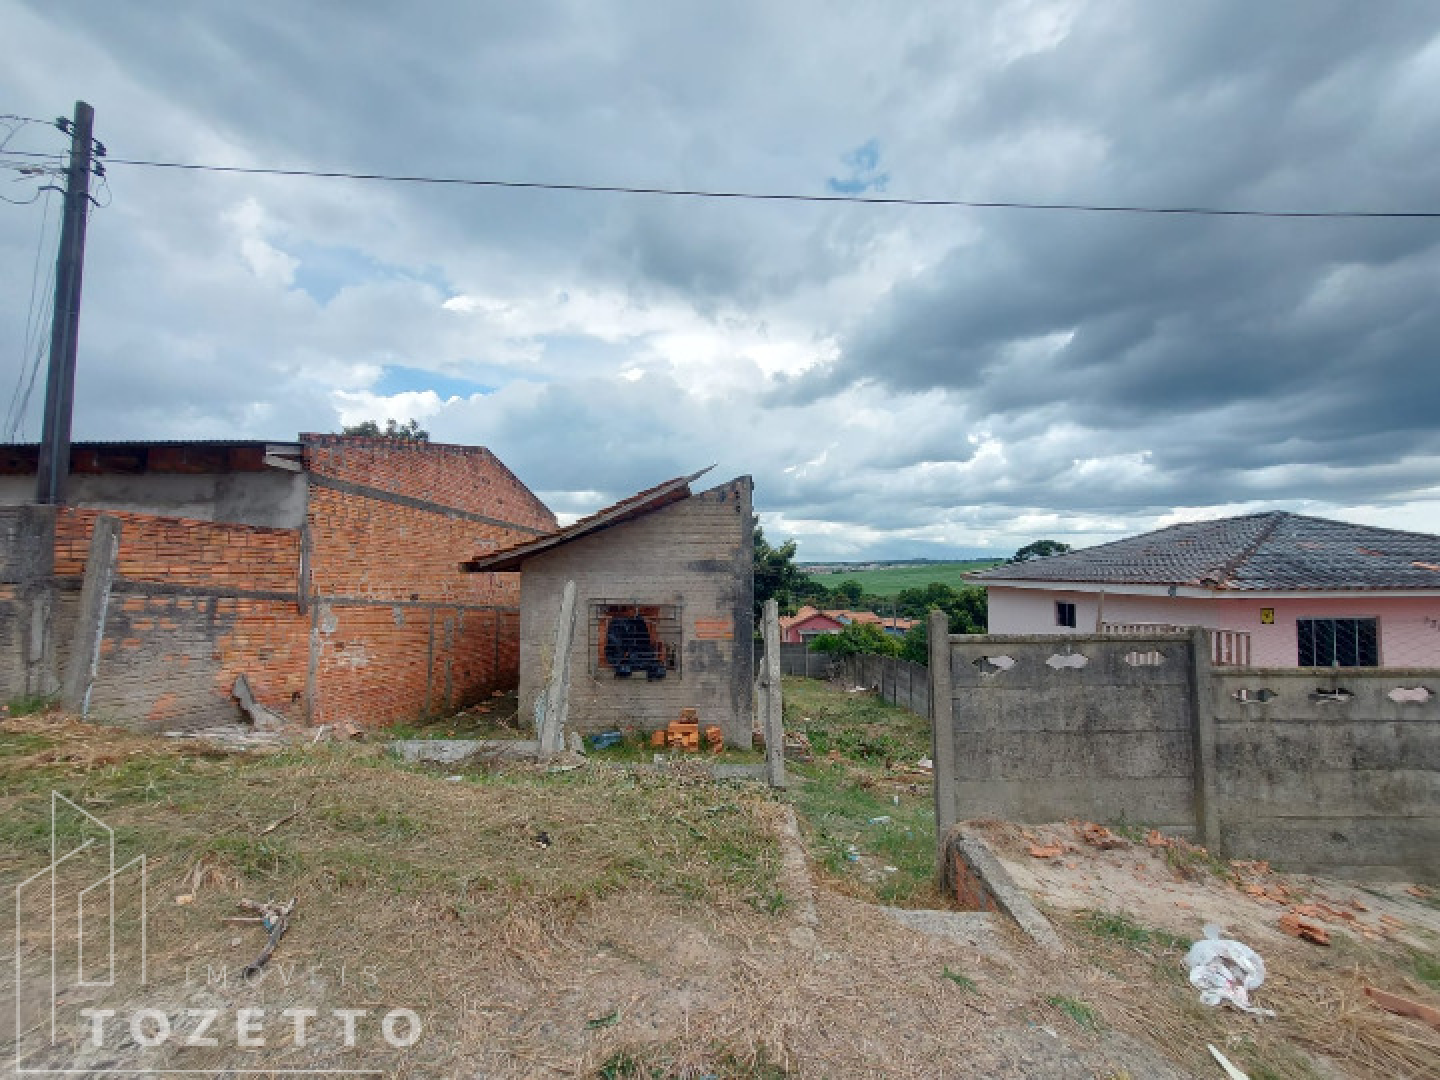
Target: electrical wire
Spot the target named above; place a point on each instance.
(14, 125)
(17, 428)
(698, 193)
(34, 338)
(51, 155)
(21, 202)
(109, 195)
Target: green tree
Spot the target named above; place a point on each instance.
(856, 638)
(1040, 549)
(915, 645)
(966, 606)
(848, 593)
(410, 431)
(776, 575)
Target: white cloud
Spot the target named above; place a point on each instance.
(899, 381)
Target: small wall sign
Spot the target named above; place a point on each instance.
(1267, 615)
(715, 629)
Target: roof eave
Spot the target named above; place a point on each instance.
(514, 558)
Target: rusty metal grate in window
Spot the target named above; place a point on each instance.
(630, 640)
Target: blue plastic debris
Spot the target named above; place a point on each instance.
(605, 739)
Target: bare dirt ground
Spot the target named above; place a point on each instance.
(1128, 913)
(601, 922)
(589, 922)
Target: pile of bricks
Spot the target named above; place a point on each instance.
(684, 734)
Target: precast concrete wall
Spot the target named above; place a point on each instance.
(1332, 771)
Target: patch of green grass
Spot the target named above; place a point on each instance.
(840, 800)
(965, 983)
(1084, 1015)
(635, 748)
(382, 822)
(30, 705)
(1426, 968)
(1192, 862)
(889, 580)
(13, 744)
(622, 1065)
(859, 727)
(1117, 926)
(777, 903)
(257, 858)
(839, 814)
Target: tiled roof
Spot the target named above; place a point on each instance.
(1255, 552)
(636, 505)
(843, 616)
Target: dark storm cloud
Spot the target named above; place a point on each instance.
(977, 376)
(1259, 343)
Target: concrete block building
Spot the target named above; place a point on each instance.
(664, 614)
(325, 571)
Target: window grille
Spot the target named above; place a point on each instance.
(1338, 642)
(1064, 614)
(636, 641)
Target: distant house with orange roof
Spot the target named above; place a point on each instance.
(810, 622)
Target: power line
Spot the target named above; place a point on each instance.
(34, 344)
(759, 196)
(36, 154)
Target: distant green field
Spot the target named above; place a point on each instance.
(890, 580)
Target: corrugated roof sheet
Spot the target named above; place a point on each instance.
(643, 502)
(1272, 551)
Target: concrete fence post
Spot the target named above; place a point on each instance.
(555, 707)
(942, 727)
(84, 659)
(1202, 727)
(771, 698)
(33, 564)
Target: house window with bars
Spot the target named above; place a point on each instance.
(1338, 642)
(634, 641)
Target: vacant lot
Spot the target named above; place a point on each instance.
(613, 920)
(890, 580)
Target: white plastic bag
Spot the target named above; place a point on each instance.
(1225, 971)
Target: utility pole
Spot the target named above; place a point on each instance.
(53, 473)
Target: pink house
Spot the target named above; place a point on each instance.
(1283, 590)
(809, 621)
(806, 623)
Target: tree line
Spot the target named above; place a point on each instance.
(777, 575)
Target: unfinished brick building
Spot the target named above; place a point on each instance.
(324, 571)
(664, 618)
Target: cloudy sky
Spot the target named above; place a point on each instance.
(901, 381)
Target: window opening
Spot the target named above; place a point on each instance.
(1064, 614)
(1338, 642)
(630, 640)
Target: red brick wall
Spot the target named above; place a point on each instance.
(179, 551)
(170, 661)
(177, 635)
(400, 629)
(392, 627)
(463, 477)
(389, 552)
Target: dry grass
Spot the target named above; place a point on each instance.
(482, 882)
(1322, 1012)
(650, 937)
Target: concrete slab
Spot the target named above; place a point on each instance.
(455, 751)
(977, 928)
(973, 872)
